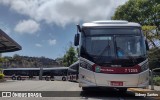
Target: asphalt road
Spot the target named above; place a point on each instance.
(69, 90)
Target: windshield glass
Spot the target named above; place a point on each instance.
(100, 44)
(129, 46)
(106, 48)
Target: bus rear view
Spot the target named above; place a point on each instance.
(112, 54)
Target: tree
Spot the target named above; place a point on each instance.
(2, 60)
(145, 12)
(70, 57)
(150, 35)
(59, 60)
(154, 58)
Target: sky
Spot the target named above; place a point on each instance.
(46, 27)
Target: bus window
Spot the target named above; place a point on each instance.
(24, 73)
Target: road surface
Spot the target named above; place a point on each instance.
(70, 88)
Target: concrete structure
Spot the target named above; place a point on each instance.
(7, 44)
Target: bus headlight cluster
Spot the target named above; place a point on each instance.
(85, 65)
(144, 66)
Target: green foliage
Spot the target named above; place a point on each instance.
(1, 76)
(70, 57)
(26, 61)
(0, 70)
(145, 12)
(146, 28)
(3, 60)
(149, 32)
(156, 81)
(154, 58)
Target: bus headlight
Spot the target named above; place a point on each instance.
(144, 66)
(85, 65)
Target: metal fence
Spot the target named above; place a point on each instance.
(154, 77)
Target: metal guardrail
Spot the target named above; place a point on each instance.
(151, 77)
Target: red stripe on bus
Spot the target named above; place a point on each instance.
(117, 70)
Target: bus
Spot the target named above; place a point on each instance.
(59, 73)
(21, 73)
(112, 54)
(55, 73)
(72, 73)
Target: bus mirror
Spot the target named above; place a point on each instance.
(76, 40)
(147, 47)
(79, 28)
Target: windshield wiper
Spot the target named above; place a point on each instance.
(129, 56)
(100, 56)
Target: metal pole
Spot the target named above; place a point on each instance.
(152, 85)
(40, 73)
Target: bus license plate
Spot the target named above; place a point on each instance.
(116, 83)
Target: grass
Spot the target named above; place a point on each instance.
(156, 80)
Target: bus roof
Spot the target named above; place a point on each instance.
(56, 68)
(7, 44)
(36, 68)
(111, 23)
(21, 69)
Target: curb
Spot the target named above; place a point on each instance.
(2, 80)
(144, 91)
(139, 89)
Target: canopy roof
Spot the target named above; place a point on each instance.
(7, 44)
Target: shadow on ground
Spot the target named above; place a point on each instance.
(102, 93)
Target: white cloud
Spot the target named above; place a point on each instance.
(52, 42)
(62, 12)
(38, 45)
(27, 26)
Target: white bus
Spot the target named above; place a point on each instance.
(112, 54)
(55, 73)
(21, 73)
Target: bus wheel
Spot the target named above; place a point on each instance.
(47, 78)
(19, 78)
(13, 78)
(52, 79)
(63, 79)
(122, 90)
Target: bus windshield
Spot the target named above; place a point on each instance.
(111, 44)
(129, 46)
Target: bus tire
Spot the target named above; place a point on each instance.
(19, 78)
(52, 79)
(63, 79)
(47, 78)
(13, 78)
